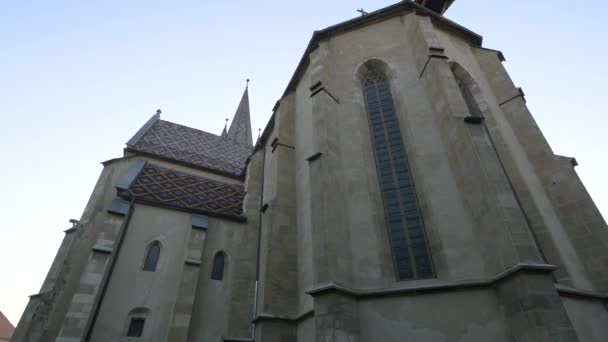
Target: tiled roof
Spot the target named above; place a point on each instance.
(184, 191)
(6, 328)
(192, 146)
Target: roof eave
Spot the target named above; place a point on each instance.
(399, 8)
(143, 130)
(241, 218)
(239, 176)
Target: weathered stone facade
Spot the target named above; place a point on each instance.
(519, 250)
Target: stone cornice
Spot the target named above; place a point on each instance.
(293, 319)
(570, 291)
(432, 285)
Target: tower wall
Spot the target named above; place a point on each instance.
(478, 223)
(131, 287)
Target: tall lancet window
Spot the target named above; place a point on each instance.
(152, 256)
(405, 227)
(217, 272)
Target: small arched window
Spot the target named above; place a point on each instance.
(217, 273)
(136, 322)
(152, 256)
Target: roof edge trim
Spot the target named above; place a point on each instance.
(124, 183)
(241, 218)
(145, 128)
(386, 12)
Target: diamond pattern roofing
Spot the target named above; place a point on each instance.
(6, 328)
(192, 146)
(184, 191)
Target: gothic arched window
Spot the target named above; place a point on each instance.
(406, 231)
(152, 256)
(217, 272)
(465, 84)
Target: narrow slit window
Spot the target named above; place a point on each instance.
(406, 231)
(217, 273)
(136, 327)
(152, 256)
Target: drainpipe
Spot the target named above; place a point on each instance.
(257, 270)
(108, 275)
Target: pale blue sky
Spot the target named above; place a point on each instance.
(78, 78)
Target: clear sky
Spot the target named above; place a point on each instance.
(78, 78)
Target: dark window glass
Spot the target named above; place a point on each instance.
(152, 257)
(136, 327)
(406, 231)
(217, 273)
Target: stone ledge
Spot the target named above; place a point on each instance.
(71, 230)
(422, 286)
(292, 319)
(499, 53)
(236, 339)
(192, 262)
(102, 249)
(520, 93)
(37, 295)
(570, 291)
(200, 221)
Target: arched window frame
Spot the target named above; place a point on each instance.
(470, 90)
(405, 227)
(136, 323)
(219, 266)
(150, 262)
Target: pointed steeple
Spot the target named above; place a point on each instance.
(240, 128)
(225, 131)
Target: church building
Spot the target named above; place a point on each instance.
(401, 191)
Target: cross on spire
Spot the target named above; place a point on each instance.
(362, 12)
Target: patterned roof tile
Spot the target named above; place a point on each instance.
(193, 146)
(184, 191)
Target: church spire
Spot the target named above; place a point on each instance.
(240, 128)
(225, 130)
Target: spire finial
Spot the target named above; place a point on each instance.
(259, 133)
(247, 86)
(158, 111)
(226, 125)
